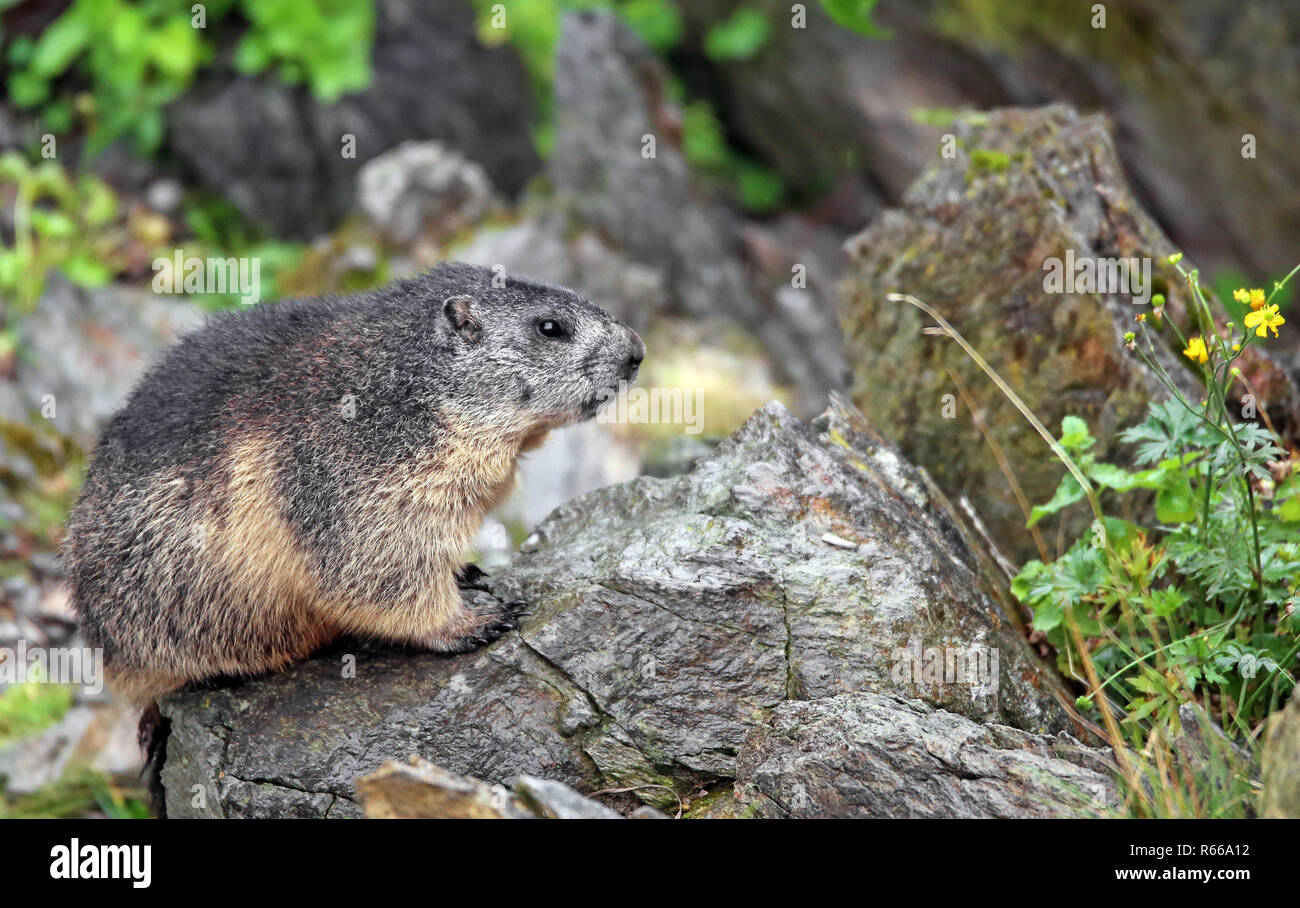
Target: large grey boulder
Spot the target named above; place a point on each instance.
(972, 239)
(424, 188)
(82, 351)
(676, 623)
(276, 151)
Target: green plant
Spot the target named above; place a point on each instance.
(1195, 611)
(27, 708)
(532, 27)
(76, 224)
(1201, 604)
(324, 44)
(739, 37)
(855, 15)
(136, 56)
(77, 794)
(705, 146)
(58, 220)
(219, 230)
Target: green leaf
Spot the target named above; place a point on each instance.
(656, 22)
(1074, 434)
(739, 37)
(59, 44)
(251, 55)
(1289, 510)
(855, 15)
(53, 225)
(1048, 614)
(1176, 502)
(86, 270)
(1025, 580)
(1164, 603)
(761, 189)
(177, 49)
(1121, 533)
(27, 89)
(1067, 493)
(1110, 476)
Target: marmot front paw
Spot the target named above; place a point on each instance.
(494, 627)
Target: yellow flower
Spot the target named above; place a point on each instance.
(1140, 317)
(1196, 351)
(1263, 320)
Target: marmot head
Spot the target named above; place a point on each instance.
(545, 352)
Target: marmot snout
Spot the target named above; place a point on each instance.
(301, 471)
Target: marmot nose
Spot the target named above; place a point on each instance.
(634, 356)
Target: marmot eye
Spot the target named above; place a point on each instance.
(552, 329)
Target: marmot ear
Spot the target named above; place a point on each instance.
(459, 312)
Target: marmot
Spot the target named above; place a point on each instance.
(302, 471)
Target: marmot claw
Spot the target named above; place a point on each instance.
(498, 626)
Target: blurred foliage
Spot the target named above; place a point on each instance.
(78, 794)
(705, 146)
(324, 44)
(739, 37)
(58, 219)
(218, 229)
(30, 707)
(532, 27)
(40, 470)
(78, 225)
(135, 56)
(855, 15)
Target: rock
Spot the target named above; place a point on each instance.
(557, 801)
(672, 619)
(165, 195)
(543, 245)
(421, 790)
(971, 240)
(84, 349)
(647, 204)
(1280, 771)
(831, 109)
(100, 737)
(874, 755)
(275, 151)
(609, 101)
(646, 812)
(422, 188)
